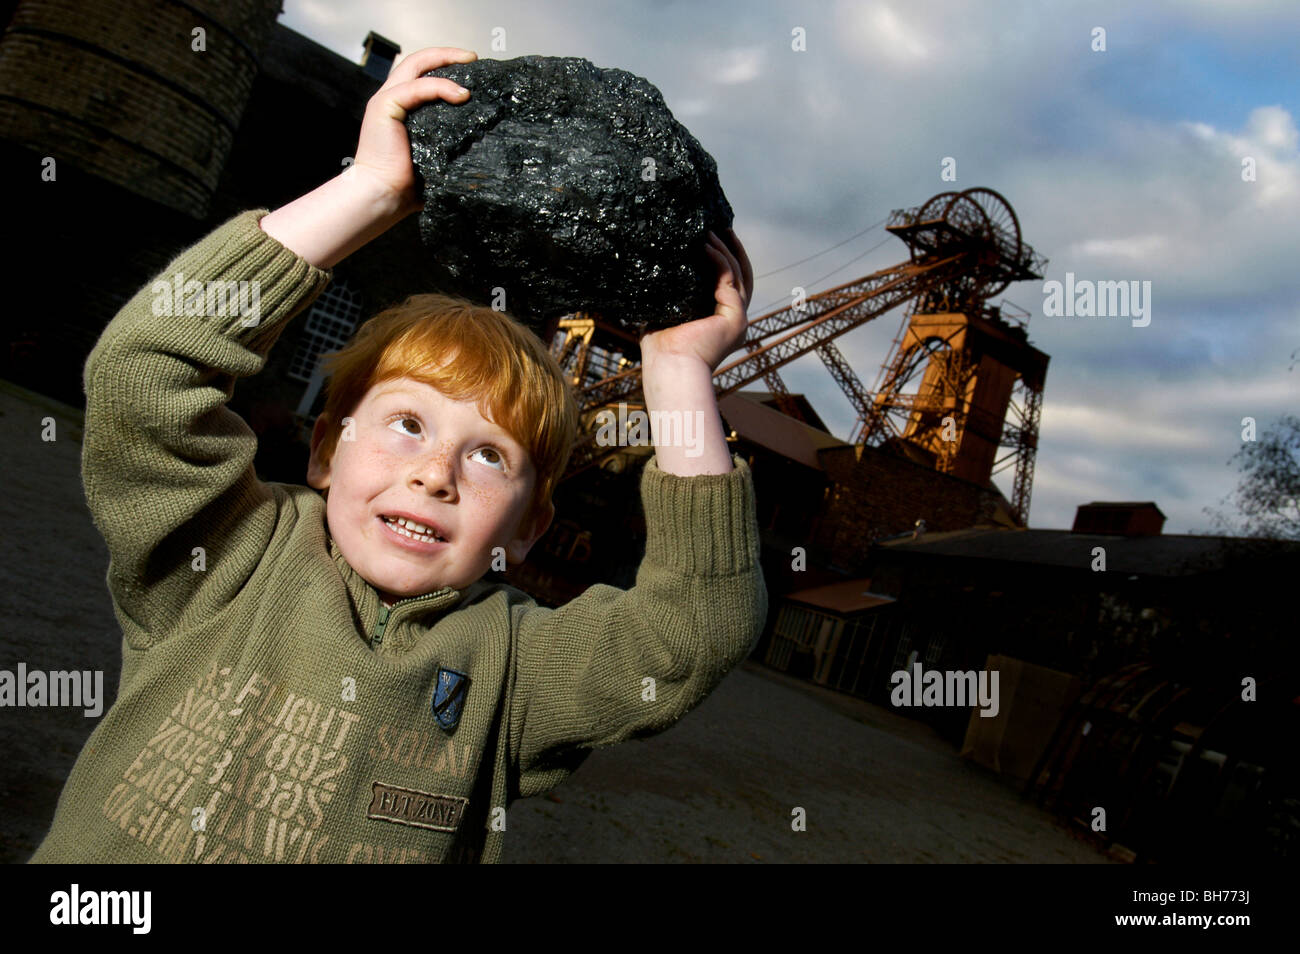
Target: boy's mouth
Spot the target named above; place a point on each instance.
(413, 529)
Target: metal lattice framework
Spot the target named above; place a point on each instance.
(964, 247)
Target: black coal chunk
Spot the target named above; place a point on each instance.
(571, 188)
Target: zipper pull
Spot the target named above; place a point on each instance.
(378, 637)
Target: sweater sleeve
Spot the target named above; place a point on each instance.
(617, 664)
(167, 467)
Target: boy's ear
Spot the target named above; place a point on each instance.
(517, 549)
(318, 469)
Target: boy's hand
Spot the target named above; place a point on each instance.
(710, 339)
(677, 366)
(384, 149)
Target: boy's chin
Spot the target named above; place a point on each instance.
(406, 593)
(393, 596)
(389, 584)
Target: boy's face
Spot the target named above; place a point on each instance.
(415, 452)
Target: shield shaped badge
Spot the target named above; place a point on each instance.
(449, 697)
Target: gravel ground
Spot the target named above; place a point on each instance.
(721, 786)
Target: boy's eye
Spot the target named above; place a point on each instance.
(496, 459)
(399, 425)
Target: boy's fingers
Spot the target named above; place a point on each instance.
(720, 259)
(727, 294)
(739, 262)
(430, 58)
(732, 269)
(733, 266)
(747, 270)
(401, 99)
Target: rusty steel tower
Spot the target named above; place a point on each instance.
(980, 381)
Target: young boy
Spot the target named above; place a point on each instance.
(319, 674)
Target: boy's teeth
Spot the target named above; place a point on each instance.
(411, 529)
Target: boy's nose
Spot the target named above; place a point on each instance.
(436, 475)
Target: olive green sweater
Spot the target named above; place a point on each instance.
(257, 718)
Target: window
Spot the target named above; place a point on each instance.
(330, 324)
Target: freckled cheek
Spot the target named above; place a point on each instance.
(368, 469)
(483, 494)
(379, 456)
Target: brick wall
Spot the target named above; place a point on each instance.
(878, 494)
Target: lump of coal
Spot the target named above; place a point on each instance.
(571, 188)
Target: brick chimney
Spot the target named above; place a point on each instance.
(378, 58)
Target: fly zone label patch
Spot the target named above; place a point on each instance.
(418, 809)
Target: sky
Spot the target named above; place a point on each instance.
(1122, 164)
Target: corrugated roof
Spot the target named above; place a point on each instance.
(1162, 555)
(851, 596)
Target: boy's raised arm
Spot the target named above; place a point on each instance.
(167, 467)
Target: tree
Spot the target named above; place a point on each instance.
(1268, 495)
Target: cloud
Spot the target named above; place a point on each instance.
(1274, 127)
(1269, 140)
(321, 13)
(1121, 428)
(690, 108)
(1166, 202)
(877, 30)
(1133, 247)
(739, 66)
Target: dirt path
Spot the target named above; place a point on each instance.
(719, 787)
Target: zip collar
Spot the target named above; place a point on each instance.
(376, 619)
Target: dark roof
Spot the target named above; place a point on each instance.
(1122, 505)
(759, 424)
(1157, 555)
(302, 63)
(769, 399)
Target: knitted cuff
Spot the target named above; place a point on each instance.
(267, 282)
(704, 525)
